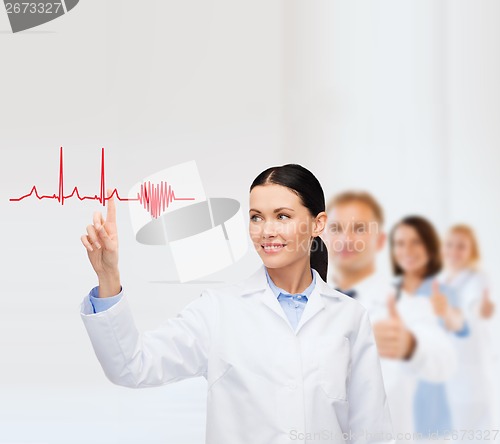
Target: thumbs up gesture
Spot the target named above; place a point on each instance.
(487, 307)
(453, 317)
(438, 300)
(394, 340)
(392, 309)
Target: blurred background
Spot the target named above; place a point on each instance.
(398, 98)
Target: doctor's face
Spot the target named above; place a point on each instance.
(457, 251)
(353, 236)
(409, 251)
(281, 227)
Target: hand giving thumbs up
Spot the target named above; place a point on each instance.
(393, 339)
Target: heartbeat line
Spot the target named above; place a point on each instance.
(155, 198)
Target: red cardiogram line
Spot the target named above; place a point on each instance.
(154, 198)
(61, 197)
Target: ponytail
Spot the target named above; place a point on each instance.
(319, 257)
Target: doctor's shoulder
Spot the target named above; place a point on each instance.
(213, 305)
(345, 310)
(344, 301)
(212, 300)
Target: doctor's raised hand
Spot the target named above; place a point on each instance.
(101, 242)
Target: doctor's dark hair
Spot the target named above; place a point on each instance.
(303, 183)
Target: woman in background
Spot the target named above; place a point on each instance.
(416, 262)
(471, 389)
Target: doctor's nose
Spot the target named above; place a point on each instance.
(269, 230)
(343, 237)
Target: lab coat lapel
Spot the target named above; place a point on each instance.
(257, 283)
(314, 304)
(269, 299)
(316, 301)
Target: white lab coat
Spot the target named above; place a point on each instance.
(434, 358)
(267, 384)
(472, 390)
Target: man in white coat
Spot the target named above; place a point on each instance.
(409, 340)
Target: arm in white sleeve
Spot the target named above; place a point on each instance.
(369, 415)
(178, 349)
(434, 358)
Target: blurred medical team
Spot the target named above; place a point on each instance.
(431, 321)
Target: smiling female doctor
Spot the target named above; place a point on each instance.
(286, 357)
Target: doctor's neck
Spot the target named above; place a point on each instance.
(293, 278)
(346, 278)
(412, 280)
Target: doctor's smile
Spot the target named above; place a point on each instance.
(272, 248)
(312, 363)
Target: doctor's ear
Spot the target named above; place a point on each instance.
(382, 237)
(319, 223)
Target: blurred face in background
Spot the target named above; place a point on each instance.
(457, 251)
(353, 236)
(409, 251)
(281, 227)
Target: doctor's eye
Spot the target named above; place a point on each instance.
(285, 216)
(255, 218)
(334, 229)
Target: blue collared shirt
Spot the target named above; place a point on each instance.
(293, 304)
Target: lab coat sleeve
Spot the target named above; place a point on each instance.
(369, 415)
(434, 358)
(101, 304)
(178, 349)
(471, 295)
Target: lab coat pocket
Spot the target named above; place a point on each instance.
(334, 367)
(218, 368)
